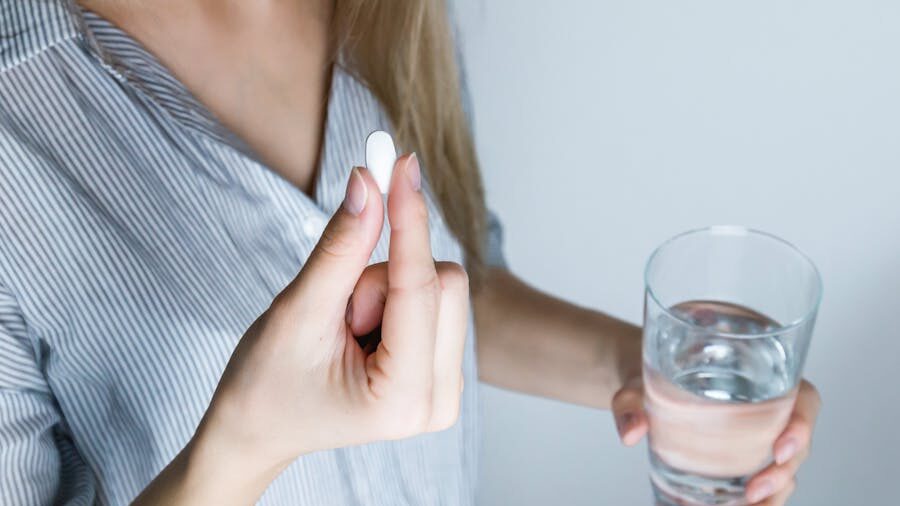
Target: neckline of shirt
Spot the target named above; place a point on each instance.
(352, 110)
(135, 66)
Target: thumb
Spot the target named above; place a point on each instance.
(628, 410)
(343, 251)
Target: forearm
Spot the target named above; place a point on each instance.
(209, 470)
(537, 344)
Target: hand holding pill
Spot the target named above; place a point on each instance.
(300, 366)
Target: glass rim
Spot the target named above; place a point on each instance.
(736, 230)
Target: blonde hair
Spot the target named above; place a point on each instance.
(403, 50)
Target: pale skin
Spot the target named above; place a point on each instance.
(263, 68)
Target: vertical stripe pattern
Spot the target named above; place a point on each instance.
(138, 240)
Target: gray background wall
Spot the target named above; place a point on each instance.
(605, 127)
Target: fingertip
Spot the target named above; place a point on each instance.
(406, 204)
(773, 482)
(362, 203)
(414, 172)
(641, 430)
(411, 262)
(633, 437)
(758, 490)
(793, 439)
(408, 172)
(632, 427)
(357, 193)
(372, 188)
(786, 449)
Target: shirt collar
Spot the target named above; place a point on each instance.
(28, 27)
(352, 113)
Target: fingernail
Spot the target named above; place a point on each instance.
(761, 491)
(357, 193)
(625, 423)
(348, 316)
(786, 452)
(413, 172)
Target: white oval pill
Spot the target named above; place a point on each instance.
(380, 158)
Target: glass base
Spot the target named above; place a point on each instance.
(672, 487)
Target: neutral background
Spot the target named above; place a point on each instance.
(605, 127)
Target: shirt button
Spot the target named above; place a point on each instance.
(314, 226)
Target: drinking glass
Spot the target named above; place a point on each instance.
(728, 316)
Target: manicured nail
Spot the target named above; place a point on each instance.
(357, 193)
(348, 316)
(786, 452)
(761, 491)
(413, 172)
(625, 423)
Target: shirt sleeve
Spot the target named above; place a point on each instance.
(494, 242)
(38, 464)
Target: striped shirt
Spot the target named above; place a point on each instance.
(138, 240)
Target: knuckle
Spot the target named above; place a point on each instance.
(781, 475)
(447, 413)
(446, 419)
(813, 393)
(431, 285)
(420, 416)
(334, 243)
(404, 419)
(802, 425)
(425, 286)
(416, 409)
(452, 276)
(626, 396)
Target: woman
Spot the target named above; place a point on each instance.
(167, 167)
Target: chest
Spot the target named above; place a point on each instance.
(153, 247)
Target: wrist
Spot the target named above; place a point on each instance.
(220, 469)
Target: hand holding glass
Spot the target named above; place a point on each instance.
(728, 317)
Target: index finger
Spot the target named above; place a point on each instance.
(628, 410)
(410, 263)
(410, 317)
